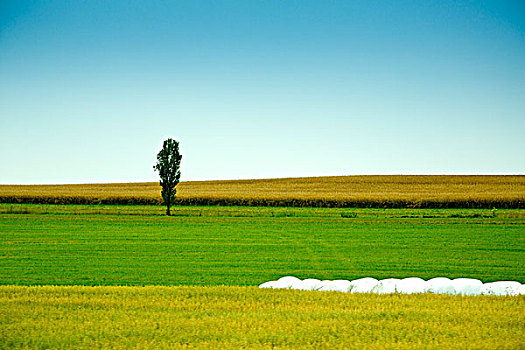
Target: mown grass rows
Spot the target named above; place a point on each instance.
(248, 246)
(248, 317)
(337, 192)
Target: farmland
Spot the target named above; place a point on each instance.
(387, 191)
(127, 276)
(126, 245)
(239, 317)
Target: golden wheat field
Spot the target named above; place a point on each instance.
(388, 191)
(247, 317)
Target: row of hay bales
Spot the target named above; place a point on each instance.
(411, 285)
(271, 202)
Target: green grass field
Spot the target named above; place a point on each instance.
(248, 317)
(97, 245)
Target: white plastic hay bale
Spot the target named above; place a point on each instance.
(269, 284)
(324, 284)
(467, 286)
(335, 286)
(521, 291)
(287, 282)
(312, 284)
(281, 283)
(440, 285)
(386, 286)
(501, 288)
(307, 284)
(411, 285)
(362, 285)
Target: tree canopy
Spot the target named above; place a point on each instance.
(168, 167)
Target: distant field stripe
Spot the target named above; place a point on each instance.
(382, 191)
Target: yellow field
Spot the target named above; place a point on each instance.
(389, 191)
(234, 317)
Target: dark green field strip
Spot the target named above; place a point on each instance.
(52, 249)
(517, 202)
(235, 211)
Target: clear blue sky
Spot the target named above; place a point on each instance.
(257, 89)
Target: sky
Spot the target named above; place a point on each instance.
(260, 89)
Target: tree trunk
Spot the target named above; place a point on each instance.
(168, 202)
(168, 207)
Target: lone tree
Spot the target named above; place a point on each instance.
(168, 166)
